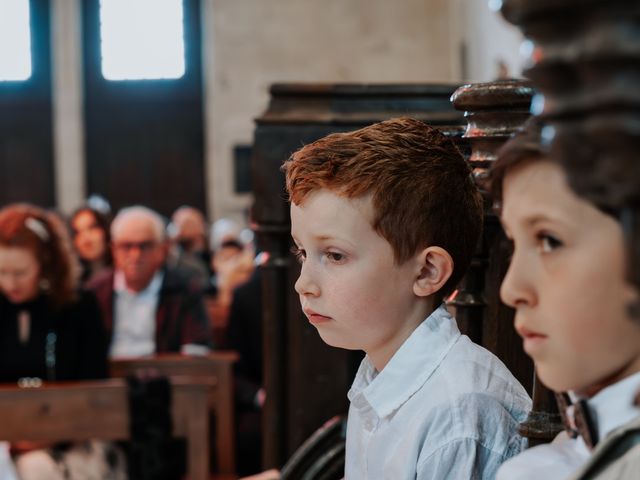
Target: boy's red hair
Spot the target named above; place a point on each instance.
(422, 190)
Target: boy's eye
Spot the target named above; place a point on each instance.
(299, 253)
(548, 243)
(334, 256)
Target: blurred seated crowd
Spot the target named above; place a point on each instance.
(77, 292)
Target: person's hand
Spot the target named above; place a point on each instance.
(268, 475)
(232, 271)
(261, 396)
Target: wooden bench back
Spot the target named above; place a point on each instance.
(217, 368)
(76, 411)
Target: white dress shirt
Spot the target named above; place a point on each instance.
(134, 320)
(442, 408)
(611, 408)
(7, 469)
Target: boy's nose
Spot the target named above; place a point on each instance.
(516, 289)
(305, 285)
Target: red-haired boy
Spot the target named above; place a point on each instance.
(385, 220)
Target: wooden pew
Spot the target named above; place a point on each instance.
(217, 367)
(77, 411)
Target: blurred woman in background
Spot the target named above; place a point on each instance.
(90, 229)
(49, 329)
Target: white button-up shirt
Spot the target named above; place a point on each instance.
(134, 322)
(7, 469)
(442, 408)
(611, 408)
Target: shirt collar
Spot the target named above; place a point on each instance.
(409, 368)
(120, 285)
(614, 405)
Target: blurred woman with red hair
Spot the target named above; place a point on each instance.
(49, 329)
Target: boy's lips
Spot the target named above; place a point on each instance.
(532, 339)
(315, 317)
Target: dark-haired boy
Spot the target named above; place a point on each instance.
(385, 220)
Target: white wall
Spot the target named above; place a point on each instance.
(249, 44)
(254, 43)
(488, 39)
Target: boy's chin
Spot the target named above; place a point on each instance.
(333, 340)
(562, 381)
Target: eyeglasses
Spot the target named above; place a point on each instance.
(144, 247)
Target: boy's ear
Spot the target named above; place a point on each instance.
(435, 268)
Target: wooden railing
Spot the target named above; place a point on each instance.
(78, 411)
(217, 368)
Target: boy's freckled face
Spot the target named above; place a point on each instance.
(566, 282)
(350, 288)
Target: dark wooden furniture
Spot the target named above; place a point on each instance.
(495, 111)
(215, 368)
(585, 60)
(99, 410)
(306, 380)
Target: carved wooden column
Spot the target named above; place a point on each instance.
(495, 111)
(585, 61)
(307, 381)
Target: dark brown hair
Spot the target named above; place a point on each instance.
(525, 146)
(422, 190)
(43, 234)
(103, 221)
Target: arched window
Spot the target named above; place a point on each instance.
(143, 39)
(143, 102)
(26, 138)
(15, 40)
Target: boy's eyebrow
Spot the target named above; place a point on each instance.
(533, 220)
(540, 217)
(324, 238)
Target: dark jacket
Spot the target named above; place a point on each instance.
(78, 343)
(245, 337)
(181, 316)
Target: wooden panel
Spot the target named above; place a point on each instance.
(216, 368)
(84, 410)
(26, 132)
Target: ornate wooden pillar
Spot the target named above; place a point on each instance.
(307, 381)
(585, 61)
(495, 111)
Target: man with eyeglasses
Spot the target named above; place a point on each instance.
(147, 306)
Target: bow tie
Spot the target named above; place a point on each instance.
(578, 419)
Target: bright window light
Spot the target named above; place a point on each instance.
(142, 39)
(15, 40)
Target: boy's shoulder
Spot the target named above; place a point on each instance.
(471, 367)
(437, 366)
